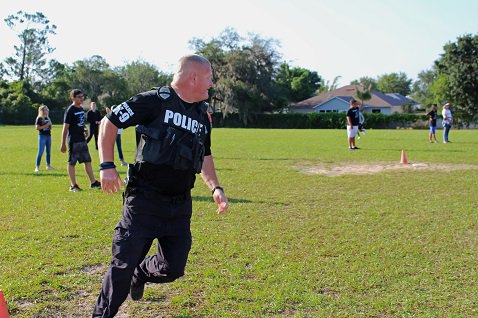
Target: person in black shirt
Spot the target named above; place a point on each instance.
(74, 129)
(432, 121)
(43, 125)
(93, 117)
(174, 144)
(353, 121)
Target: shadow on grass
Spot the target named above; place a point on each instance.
(210, 199)
(155, 299)
(398, 150)
(253, 159)
(34, 174)
(236, 200)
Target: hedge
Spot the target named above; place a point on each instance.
(319, 120)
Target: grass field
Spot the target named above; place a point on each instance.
(402, 243)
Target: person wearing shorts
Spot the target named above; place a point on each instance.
(352, 123)
(432, 121)
(74, 131)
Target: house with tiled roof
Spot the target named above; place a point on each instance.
(338, 101)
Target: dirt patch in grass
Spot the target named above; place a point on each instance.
(333, 170)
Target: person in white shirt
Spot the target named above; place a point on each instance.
(447, 122)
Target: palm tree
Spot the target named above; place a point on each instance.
(325, 86)
(363, 95)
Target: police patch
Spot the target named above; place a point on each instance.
(164, 92)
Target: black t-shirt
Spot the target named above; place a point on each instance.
(75, 117)
(142, 109)
(41, 121)
(432, 115)
(353, 113)
(92, 117)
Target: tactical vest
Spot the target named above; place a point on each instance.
(176, 136)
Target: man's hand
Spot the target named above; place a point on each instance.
(110, 181)
(63, 148)
(221, 200)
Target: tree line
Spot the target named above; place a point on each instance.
(250, 76)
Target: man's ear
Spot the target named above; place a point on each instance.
(193, 78)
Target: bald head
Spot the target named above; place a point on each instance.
(188, 64)
(193, 78)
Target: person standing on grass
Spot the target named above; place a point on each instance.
(432, 121)
(353, 121)
(74, 130)
(43, 125)
(447, 122)
(93, 117)
(174, 145)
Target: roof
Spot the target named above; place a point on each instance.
(347, 92)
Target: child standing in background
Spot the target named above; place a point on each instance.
(43, 125)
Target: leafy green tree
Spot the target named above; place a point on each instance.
(56, 97)
(421, 89)
(394, 83)
(296, 83)
(91, 75)
(459, 64)
(55, 92)
(141, 76)
(304, 83)
(18, 102)
(244, 71)
(438, 89)
(283, 79)
(29, 62)
(115, 88)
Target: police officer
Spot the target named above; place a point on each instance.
(174, 145)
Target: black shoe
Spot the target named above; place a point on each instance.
(96, 185)
(75, 188)
(136, 290)
(356, 148)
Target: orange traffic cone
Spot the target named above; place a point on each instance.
(403, 160)
(3, 307)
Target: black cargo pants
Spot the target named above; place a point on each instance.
(146, 217)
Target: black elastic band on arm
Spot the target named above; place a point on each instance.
(107, 165)
(216, 188)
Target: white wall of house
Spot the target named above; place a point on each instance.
(332, 105)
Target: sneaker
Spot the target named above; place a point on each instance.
(95, 185)
(136, 290)
(356, 148)
(350, 148)
(49, 168)
(75, 188)
(37, 169)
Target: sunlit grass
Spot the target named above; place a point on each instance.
(401, 243)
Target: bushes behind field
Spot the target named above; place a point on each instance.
(319, 120)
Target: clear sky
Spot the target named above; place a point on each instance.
(350, 38)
